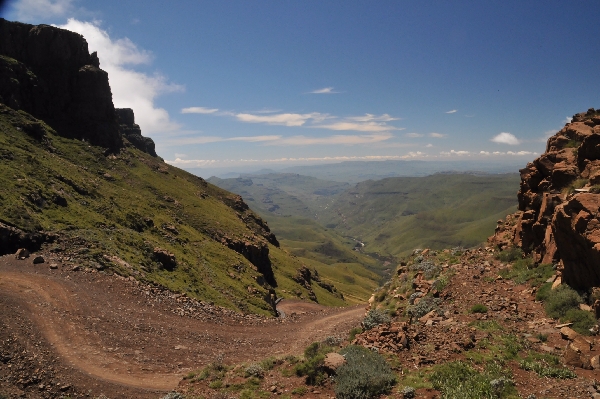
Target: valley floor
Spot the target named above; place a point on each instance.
(85, 333)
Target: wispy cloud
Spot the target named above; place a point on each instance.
(281, 119)
(199, 110)
(324, 90)
(198, 163)
(452, 112)
(506, 138)
(130, 88)
(429, 145)
(457, 153)
(358, 127)
(373, 118)
(336, 139)
(437, 135)
(414, 135)
(31, 10)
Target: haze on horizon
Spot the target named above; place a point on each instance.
(251, 85)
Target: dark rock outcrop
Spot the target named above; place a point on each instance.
(12, 239)
(49, 73)
(559, 204)
(132, 132)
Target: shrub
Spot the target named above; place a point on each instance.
(458, 380)
(364, 375)
(510, 254)
(543, 292)
(173, 395)
(254, 370)
(332, 341)
(561, 300)
(408, 392)
(429, 269)
(479, 308)
(425, 305)
(300, 391)
(354, 332)
(312, 365)
(581, 319)
(374, 318)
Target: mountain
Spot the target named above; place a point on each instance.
(80, 180)
(557, 221)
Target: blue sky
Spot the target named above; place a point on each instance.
(249, 84)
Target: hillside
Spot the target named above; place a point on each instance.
(81, 181)
(393, 216)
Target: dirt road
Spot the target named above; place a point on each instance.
(110, 335)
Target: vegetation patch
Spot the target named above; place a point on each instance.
(374, 318)
(459, 380)
(364, 375)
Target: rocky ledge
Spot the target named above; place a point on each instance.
(559, 204)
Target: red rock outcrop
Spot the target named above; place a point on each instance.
(559, 204)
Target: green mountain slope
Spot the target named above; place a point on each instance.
(133, 214)
(395, 215)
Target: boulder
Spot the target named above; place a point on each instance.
(38, 259)
(22, 253)
(333, 361)
(166, 258)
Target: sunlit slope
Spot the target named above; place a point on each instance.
(395, 215)
(115, 210)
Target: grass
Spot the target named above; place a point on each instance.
(478, 308)
(109, 217)
(546, 365)
(459, 380)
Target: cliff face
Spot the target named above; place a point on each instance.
(559, 204)
(49, 73)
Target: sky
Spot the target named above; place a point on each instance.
(251, 84)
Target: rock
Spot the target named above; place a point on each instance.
(333, 361)
(22, 253)
(569, 333)
(38, 259)
(133, 133)
(557, 282)
(595, 362)
(53, 266)
(166, 258)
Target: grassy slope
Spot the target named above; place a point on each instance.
(393, 216)
(108, 199)
(291, 203)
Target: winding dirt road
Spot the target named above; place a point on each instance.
(106, 334)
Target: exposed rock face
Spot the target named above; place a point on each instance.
(49, 73)
(132, 132)
(12, 239)
(559, 204)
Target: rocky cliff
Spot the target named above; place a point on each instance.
(49, 73)
(559, 204)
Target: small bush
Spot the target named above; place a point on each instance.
(354, 332)
(479, 308)
(173, 395)
(332, 341)
(581, 319)
(364, 375)
(509, 255)
(543, 292)
(312, 365)
(254, 370)
(561, 300)
(374, 318)
(300, 391)
(408, 393)
(429, 269)
(425, 305)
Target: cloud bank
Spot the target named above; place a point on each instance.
(130, 88)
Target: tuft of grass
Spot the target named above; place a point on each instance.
(459, 380)
(509, 255)
(561, 300)
(543, 369)
(479, 308)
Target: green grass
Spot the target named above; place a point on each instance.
(546, 365)
(108, 216)
(479, 308)
(459, 380)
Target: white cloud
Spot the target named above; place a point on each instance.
(373, 118)
(452, 112)
(358, 127)
(568, 119)
(254, 139)
(180, 155)
(336, 139)
(325, 90)
(457, 153)
(281, 119)
(506, 138)
(429, 145)
(437, 135)
(484, 152)
(414, 135)
(130, 89)
(32, 10)
(198, 110)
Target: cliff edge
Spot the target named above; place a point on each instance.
(559, 204)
